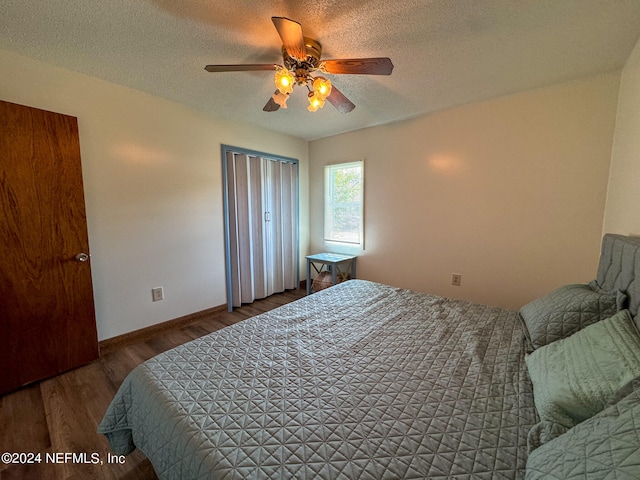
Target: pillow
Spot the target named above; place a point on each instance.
(543, 432)
(574, 378)
(626, 390)
(605, 446)
(567, 310)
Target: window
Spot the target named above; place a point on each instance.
(343, 203)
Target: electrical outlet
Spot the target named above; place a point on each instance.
(456, 278)
(157, 293)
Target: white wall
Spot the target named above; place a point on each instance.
(153, 191)
(622, 214)
(509, 193)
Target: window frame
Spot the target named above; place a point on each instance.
(328, 207)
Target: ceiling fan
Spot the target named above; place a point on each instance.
(301, 58)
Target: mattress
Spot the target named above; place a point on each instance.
(358, 381)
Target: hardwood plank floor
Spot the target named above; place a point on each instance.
(60, 415)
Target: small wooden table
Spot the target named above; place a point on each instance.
(331, 262)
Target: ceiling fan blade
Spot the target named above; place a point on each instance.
(291, 34)
(241, 68)
(271, 106)
(358, 66)
(338, 100)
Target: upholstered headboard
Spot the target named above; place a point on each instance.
(619, 268)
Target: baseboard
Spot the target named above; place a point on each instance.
(113, 343)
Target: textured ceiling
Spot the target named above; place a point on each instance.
(445, 52)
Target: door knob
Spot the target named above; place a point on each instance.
(82, 257)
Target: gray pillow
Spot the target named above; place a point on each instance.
(574, 378)
(605, 446)
(566, 310)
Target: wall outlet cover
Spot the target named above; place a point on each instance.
(157, 293)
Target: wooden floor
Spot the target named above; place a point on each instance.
(60, 415)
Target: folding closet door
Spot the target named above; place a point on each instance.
(289, 224)
(247, 266)
(281, 179)
(262, 226)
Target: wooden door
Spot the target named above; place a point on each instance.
(47, 318)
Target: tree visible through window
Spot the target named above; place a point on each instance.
(343, 203)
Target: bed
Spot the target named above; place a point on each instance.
(367, 381)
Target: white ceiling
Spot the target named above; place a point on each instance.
(445, 52)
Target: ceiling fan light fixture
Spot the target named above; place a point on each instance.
(280, 98)
(284, 81)
(322, 87)
(301, 58)
(315, 102)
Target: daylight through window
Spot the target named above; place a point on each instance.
(343, 203)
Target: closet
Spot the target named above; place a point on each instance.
(261, 224)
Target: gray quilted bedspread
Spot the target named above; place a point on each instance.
(358, 381)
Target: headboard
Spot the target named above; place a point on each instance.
(619, 268)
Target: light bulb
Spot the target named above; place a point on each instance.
(315, 102)
(322, 87)
(284, 81)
